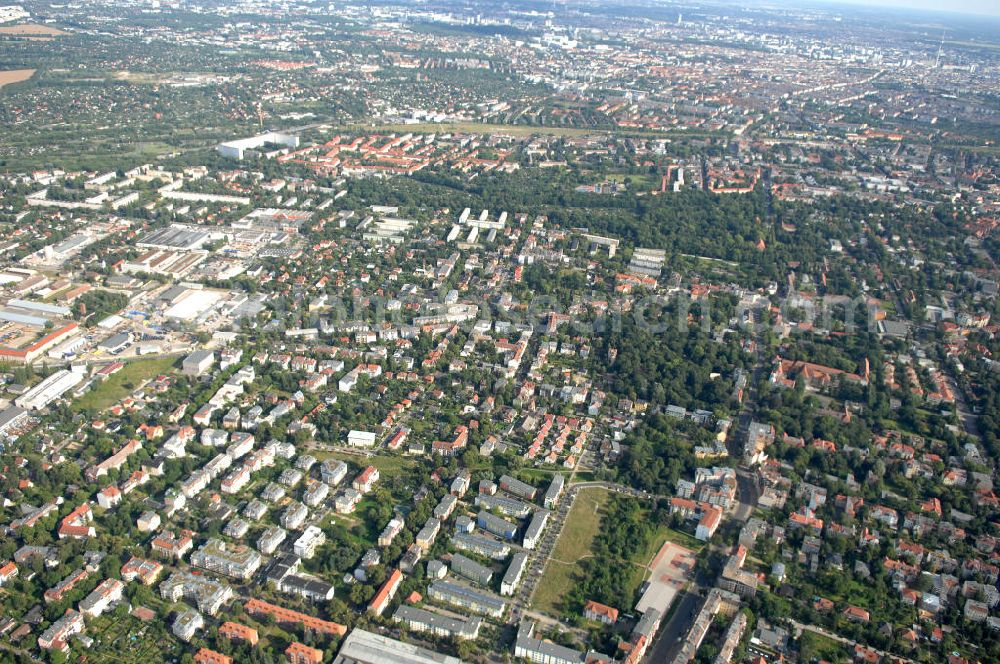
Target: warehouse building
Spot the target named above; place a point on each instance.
(198, 362)
(49, 390)
(362, 647)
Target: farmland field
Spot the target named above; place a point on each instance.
(15, 76)
(32, 31)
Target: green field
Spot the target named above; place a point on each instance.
(390, 464)
(540, 477)
(122, 383)
(665, 534)
(816, 647)
(579, 531)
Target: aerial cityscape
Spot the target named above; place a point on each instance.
(468, 332)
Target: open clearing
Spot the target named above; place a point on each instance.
(666, 561)
(388, 464)
(575, 541)
(816, 647)
(122, 383)
(15, 76)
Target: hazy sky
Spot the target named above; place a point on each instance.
(991, 7)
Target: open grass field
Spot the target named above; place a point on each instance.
(816, 647)
(15, 76)
(574, 545)
(120, 384)
(540, 477)
(665, 534)
(387, 464)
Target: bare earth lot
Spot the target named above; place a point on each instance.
(671, 569)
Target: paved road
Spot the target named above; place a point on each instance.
(672, 633)
(747, 492)
(965, 415)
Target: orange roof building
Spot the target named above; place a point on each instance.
(299, 653)
(206, 656)
(256, 607)
(238, 632)
(600, 612)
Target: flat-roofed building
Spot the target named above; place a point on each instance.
(470, 569)
(536, 526)
(545, 652)
(187, 624)
(515, 572)
(49, 390)
(517, 487)
(238, 148)
(198, 362)
(11, 420)
(479, 545)
(209, 594)
(238, 561)
(421, 620)
(311, 539)
(477, 601)
(363, 647)
(357, 438)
